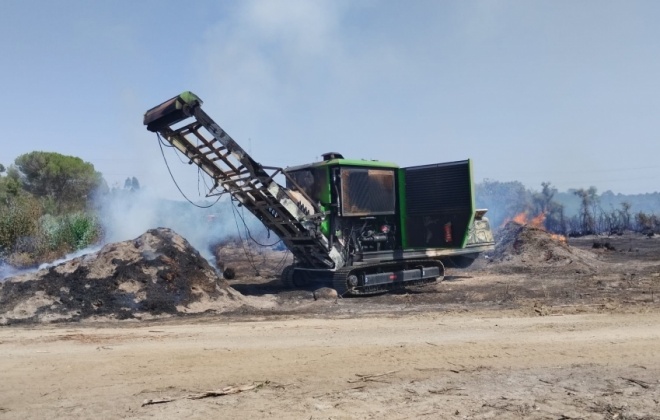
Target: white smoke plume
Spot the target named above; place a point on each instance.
(126, 214)
(7, 271)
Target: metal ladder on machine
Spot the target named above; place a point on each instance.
(233, 171)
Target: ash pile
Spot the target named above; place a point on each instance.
(155, 275)
(522, 248)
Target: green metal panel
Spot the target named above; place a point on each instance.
(326, 195)
(473, 206)
(365, 163)
(188, 97)
(346, 162)
(402, 208)
(326, 199)
(170, 112)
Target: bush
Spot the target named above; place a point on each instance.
(18, 219)
(70, 232)
(84, 229)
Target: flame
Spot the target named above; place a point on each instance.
(558, 238)
(537, 222)
(520, 218)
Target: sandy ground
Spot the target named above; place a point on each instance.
(484, 365)
(487, 343)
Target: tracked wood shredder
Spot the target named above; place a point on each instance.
(364, 226)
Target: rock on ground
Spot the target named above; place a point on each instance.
(156, 274)
(325, 293)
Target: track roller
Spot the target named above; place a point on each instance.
(380, 278)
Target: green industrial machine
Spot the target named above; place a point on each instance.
(364, 226)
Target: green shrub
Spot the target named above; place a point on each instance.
(84, 229)
(70, 232)
(18, 219)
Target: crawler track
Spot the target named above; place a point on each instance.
(351, 280)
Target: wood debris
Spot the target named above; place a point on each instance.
(228, 390)
(366, 378)
(643, 384)
(445, 390)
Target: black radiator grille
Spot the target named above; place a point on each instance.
(438, 204)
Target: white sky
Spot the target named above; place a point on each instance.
(559, 91)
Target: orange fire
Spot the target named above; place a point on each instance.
(559, 238)
(537, 222)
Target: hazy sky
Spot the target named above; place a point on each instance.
(559, 91)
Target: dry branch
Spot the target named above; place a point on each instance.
(228, 390)
(224, 391)
(643, 384)
(157, 401)
(365, 378)
(445, 390)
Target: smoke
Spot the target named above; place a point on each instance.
(8, 271)
(126, 214)
(79, 253)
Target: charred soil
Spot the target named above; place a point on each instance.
(530, 272)
(156, 274)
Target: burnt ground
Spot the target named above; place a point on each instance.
(530, 272)
(159, 275)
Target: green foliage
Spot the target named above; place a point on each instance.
(43, 202)
(84, 230)
(9, 188)
(18, 219)
(66, 180)
(70, 232)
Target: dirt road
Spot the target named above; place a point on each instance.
(426, 365)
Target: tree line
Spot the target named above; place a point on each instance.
(576, 212)
(47, 207)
